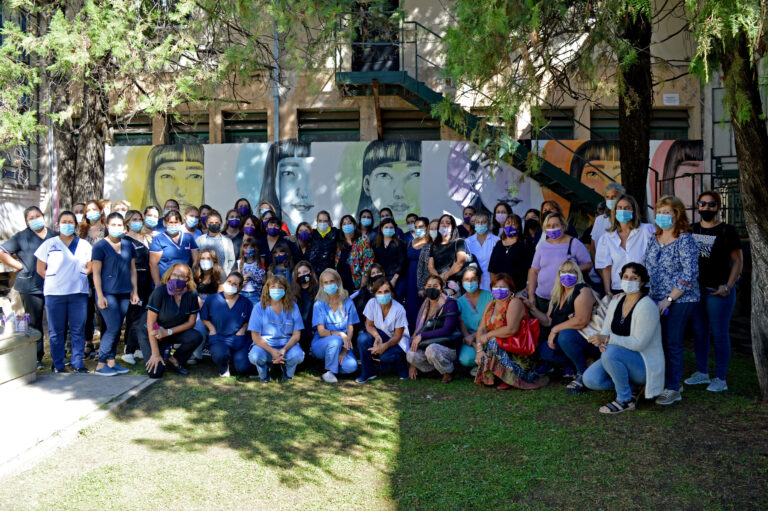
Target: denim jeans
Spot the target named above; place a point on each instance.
(203, 330)
(618, 368)
(261, 358)
(63, 311)
(230, 350)
(393, 358)
(672, 331)
(113, 315)
(328, 349)
(253, 296)
(577, 349)
(712, 319)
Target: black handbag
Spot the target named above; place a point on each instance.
(434, 324)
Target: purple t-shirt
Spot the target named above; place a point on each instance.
(549, 257)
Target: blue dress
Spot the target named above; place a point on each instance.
(412, 299)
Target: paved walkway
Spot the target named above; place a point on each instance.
(39, 417)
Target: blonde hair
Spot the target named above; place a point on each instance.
(322, 296)
(568, 266)
(191, 286)
(121, 203)
(681, 222)
(287, 299)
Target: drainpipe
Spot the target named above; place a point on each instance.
(275, 86)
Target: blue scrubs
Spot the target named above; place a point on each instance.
(173, 252)
(329, 348)
(226, 345)
(276, 330)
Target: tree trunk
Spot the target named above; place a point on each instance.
(89, 170)
(635, 104)
(64, 145)
(751, 137)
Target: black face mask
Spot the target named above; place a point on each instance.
(432, 293)
(707, 214)
(532, 225)
(214, 228)
(304, 279)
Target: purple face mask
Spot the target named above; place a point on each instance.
(500, 293)
(568, 279)
(244, 210)
(176, 287)
(249, 230)
(501, 218)
(510, 231)
(554, 234)
(273, 231)
(233, 223)
(304, 236)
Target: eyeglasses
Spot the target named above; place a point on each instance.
(710, 204)
(179, 277)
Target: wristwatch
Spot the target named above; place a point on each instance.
(169, 331)
(670, 299)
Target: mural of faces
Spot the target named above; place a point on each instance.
(176, 172)
(392, 178)
(293, 177)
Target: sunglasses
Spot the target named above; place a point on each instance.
(704, 203)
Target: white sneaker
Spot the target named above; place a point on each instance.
(138, 354)
(717, 385)
(329, 377)
(224, 374)
(128, 358)
(668, 397)
(698, 378)
(192, 361)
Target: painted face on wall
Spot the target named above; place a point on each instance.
(689, 176)
(295, 189)
(597, 181)
(180, 180)
(396, 186)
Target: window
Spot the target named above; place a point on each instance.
(604, 124)
(189, 130)
(669, 124)
(559, 125)
(138, 131)
(329, 125)
(244, 127)
(409, 125)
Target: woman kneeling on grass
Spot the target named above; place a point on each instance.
(502, 318)
(631, 338)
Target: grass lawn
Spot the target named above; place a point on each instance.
(207, 443)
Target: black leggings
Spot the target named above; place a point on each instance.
(188, 339)
(33, 305)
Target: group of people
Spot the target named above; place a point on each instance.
(514, 300)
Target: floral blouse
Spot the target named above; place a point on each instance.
(675, 265)
(360, 259)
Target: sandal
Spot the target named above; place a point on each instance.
(576, 386)
(615, 407)
(504, 386)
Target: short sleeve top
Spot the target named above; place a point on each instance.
(115, 268)
(23, 244)
(470, 315)
(335, 321)
(715, 247)
(226, 320)
(170, 314)
(549, 257)
(276, 329)
(394, 320)
(173, 252)
(66, 266)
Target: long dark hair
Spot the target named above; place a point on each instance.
(341, 243)
(380, 235)
(278, 151)
(313, 285)
(380, 152)
(454, 230)
(160, 154)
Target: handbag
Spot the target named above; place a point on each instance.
(599, 310)
(526, 339)
(434, 323)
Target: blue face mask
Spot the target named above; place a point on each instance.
(367, 222)
(384, 299)
(93, 216)
(67, 229)
(664, 221)
(610, 204)
(481, 229)
(277, 294)
(347, 229)
(116, 232)
(150, 222)
(623, 216)
(331, 289)
(173, 229)
(192, 222)
(37, 224)
(419, 233)
(470, 287)
(136, 226)
(388, 231)
(166, 211)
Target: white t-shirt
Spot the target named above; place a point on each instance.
(395, 319)
(483, 255)
(600, 227)
(610, 253)
(65, 273)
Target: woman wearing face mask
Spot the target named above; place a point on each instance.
(502, 318)
(18, 253)
(322, 251)
(304, 288)
(362, 296)
(603, 223)
(436, 323)
(79, 210)
(720, 263)
(625, 242)
(205, 211)
(208, 277)
(630, 339)
(550, 207)
(672, 260)
(223, 246)
(354, 254)
(334, 316)
(136, 233)
(418, 270)
(253, 227)
(92, 229)
(225, 316)
(390, 253)
(481, 245)
(303, 241)
(121, 207)
(267, 207)
(233, 229)
(275, 327)
(243, 207)
(172, 311)
(548, 257)
(151, 221)
(532, 227)
(116, 284)
(513, 253)
(251, 267)
(170, 247)
(569, 311)
(386, 334)
(366, 225)
(447, 254)
(274, 238)
(472, 304)
(410, 222)
(191, 222)
(500, 214)
(64, 263)
(282, 263)
(466, 229)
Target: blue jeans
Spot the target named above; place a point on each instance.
(393, 358)
(113, 315)
(203, 330)
(712, 318)
(226, 350)
(577, 349)
(618, 368)
(253, 296)
(328, 348)
(672, 331)
(261, 358)
(66, 310)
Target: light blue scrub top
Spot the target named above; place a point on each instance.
(275, 329)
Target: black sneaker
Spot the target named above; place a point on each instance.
(81, 370)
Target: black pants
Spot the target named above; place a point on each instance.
(33, 305)
(135, 317)
(188, 339)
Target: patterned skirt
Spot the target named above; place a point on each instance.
(516, 370)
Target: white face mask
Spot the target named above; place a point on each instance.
(229, 289)
(630, 286)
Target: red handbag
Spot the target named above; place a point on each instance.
(526, 339)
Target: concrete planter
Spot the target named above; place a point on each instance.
(18, 359)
